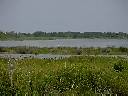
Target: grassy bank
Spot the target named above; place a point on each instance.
(67, 50)
(72, 76)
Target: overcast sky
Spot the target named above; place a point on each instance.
(64, 15)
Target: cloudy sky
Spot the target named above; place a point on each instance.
(64, 15)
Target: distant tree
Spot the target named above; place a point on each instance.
(69, 34)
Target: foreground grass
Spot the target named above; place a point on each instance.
(71, 76)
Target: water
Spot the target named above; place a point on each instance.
(67, 43)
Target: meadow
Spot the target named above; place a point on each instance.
(74, 76)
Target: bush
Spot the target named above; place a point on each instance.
(123, 49)
(119, 66)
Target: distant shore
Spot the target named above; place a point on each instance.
(39, 35)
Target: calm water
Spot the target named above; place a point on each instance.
(67, 43)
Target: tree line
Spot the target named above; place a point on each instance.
(72, 35)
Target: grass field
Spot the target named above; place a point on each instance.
(74, 76)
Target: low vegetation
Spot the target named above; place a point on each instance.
(74, 76)
(66, 50)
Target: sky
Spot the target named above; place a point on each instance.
(64, 15)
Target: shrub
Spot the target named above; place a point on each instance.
(119, 67)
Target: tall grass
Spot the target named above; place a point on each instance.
(76, 76)
(67, 50)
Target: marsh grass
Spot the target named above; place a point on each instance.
(78, 76)
(67, 50)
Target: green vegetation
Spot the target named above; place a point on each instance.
(39, 35)
(66, 50)
(74, 76)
